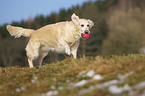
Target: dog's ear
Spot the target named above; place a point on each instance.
(91, 23)
(75, 18)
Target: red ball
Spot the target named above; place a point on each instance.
(85, 36)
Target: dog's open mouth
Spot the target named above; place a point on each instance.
(85, 36)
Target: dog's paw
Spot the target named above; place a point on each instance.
(68, 52)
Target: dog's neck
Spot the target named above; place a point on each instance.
(73, 32)
(76, 33)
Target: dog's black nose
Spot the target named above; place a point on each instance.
(86, 31)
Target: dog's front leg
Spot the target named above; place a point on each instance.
(66, 46)
(74, 49)
(67, 49)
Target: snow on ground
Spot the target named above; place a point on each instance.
(107, 84)
(22, 88)
(98, 77)
(111, 85)
(34, 79)
(123, 77)
(90, 73)
(114, 89)
(50, 93)
(80, 83)
(140, 85)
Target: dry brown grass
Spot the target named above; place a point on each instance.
(65, 73)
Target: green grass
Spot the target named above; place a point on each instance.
(61, 76)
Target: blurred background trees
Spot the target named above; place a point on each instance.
(119, 29)
(127, 32)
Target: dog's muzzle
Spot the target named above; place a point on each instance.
(86, 34)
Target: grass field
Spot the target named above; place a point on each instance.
(90, 76)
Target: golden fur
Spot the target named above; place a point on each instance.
(61, 37)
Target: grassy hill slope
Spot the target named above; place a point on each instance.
(91, 76)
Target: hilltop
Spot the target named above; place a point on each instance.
(90, 76)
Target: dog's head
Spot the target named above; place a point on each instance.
(82, 25)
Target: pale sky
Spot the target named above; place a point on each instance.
(16, 10)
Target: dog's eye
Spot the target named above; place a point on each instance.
(88, 25)
(82, 25)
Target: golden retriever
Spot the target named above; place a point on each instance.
(63, 37)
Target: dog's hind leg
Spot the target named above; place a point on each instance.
(30, 63)
(41, 56)
(32, 52)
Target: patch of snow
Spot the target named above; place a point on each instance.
(34, 79)
(54, 79)
(84, 91)
(123, 77)
(142, 50)
(81, 73)
(52, 87)
(131, 93)
(108, 83)
(60, 88)
(115, 90)
(127, 87)
(22, 88)
(66, 64)
(98, 77)
(67, 81)
(18, 90)
(50, 93)
(140, 85)
(90, 73)
(81, 83)
(111, 85)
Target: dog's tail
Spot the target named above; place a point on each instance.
(19, 31)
